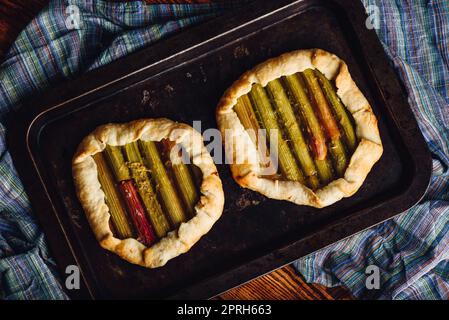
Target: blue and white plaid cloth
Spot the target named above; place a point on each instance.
(411, 250)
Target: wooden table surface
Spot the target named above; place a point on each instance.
(284, 283)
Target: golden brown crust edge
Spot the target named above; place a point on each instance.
(368, 151)
(207, 211)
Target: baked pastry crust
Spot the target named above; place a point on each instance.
(367, 153)
(207, 211)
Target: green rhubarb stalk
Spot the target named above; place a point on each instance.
(298, 92)
(167, 191)
(146, 190)
(197, 176)
(248, 118)
(246, 114)
(113, 199)
(184, 180)
(324, 111)
(187, 187)
(294, 132)
(268, 117)
(338, 154)
(335, 145)
(117, 161)
(339, 110)
(297, 89)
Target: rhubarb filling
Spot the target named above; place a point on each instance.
(148, 189)
(315, 133)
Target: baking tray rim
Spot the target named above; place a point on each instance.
(418, 190)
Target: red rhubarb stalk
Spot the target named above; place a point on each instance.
(135, 209)
(323, 108)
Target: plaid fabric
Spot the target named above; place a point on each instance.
(409, 250)
(46, 53)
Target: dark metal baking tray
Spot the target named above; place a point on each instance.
(183, 78)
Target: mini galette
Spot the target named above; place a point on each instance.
(149, 188)
(327, 134)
